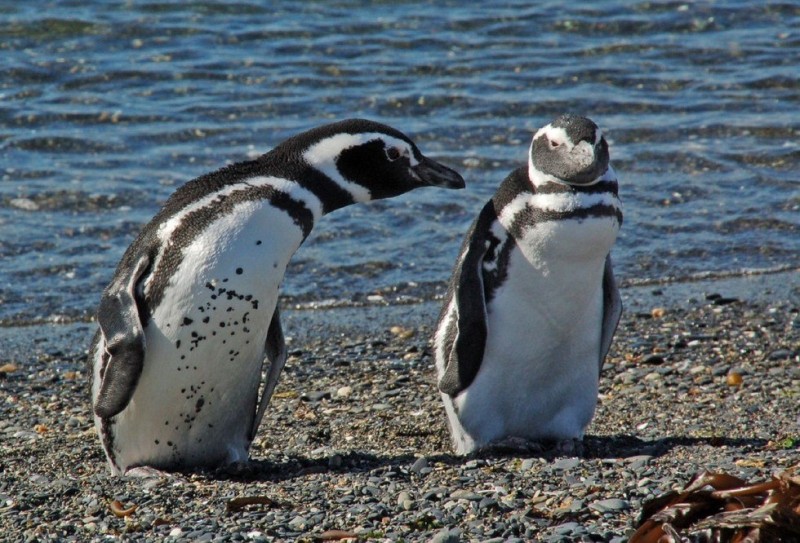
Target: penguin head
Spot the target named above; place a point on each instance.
(570, 149)
(373, 161)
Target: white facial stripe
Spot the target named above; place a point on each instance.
(322, 155)
(558, 135)
(405, 148)
(283, 185)
(308, 198)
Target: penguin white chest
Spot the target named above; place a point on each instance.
(205, 342)
(553, 283)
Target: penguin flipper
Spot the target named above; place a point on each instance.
(612, 310)
(122, 342)
(276, 356)
(465, 355)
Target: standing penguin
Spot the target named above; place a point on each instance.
(191, 314)
(532, 304)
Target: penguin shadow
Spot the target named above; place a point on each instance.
(294, 466)
(623, 446)
(297, 466)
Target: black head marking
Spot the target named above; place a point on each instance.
(372, 155)
(387, 170)
(577, 128)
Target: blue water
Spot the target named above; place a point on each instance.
(105, 108)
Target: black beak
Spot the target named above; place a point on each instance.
(432, 173)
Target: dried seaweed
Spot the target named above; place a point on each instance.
(717, 507)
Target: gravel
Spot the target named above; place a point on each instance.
(355, 443)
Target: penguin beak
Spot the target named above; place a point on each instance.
(430, 172)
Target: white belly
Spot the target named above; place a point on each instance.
(195, 401)
(540, 370)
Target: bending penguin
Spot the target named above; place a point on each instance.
(191, 314)
(532, 304)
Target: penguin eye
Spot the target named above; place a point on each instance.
(554, 144)
(393, 153)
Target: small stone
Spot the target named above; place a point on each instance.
(446, 536)
(316, 395)
(435, 494)
(609, 505)
(734, 379)
(39, 479)
(566, 463)
(576, 506)
(465, 495)
(639, 461)
(401, 332)
(298, 523)
(566, 528)
(344, 392)
(653, 360)
(419, 465)
(404, 500)
(720, 370)
(780, 354)
(644, 482)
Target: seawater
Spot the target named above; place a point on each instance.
(105, 108)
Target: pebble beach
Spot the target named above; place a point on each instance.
(355, 446)
(106, 108)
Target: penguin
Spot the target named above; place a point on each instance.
(191, 317)
(532, 304)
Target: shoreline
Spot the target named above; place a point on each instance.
(355, 439)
